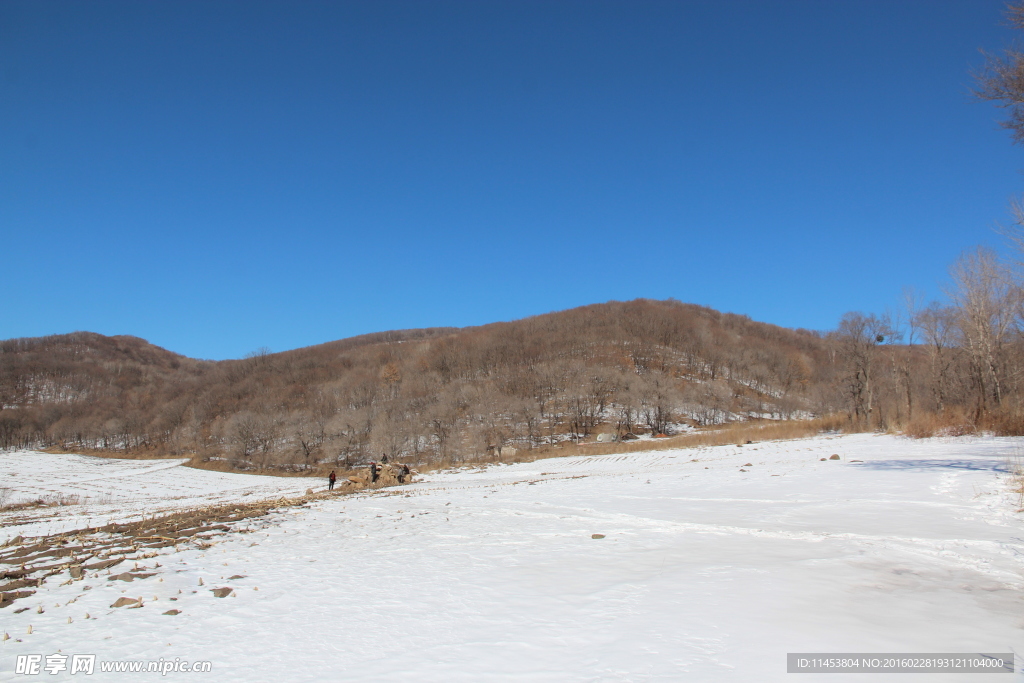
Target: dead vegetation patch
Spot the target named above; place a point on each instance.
(29, 562)
(947, 423)
(733, 433)
(53, 500)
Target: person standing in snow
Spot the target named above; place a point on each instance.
(330, 480)
(373, 472)
(384, 459)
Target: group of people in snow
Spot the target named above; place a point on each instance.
(400, 472)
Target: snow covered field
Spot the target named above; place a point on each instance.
(114, 490)
(705, 572)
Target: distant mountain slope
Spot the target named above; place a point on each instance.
(421, 394)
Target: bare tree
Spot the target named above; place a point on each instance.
(858, 335)
(938, 331)
(987, 304)
(1002, 78)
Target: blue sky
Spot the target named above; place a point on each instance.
(221, 176)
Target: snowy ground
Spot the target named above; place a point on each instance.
(113, 490)
(705, 572)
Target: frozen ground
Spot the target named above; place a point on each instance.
(705, 573)
(112, 490)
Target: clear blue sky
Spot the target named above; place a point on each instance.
(221, 176)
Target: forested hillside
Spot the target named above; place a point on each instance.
(449, 394)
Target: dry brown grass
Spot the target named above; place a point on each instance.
(52, 500)
(1006, 422)
(720, 435)
(1016, 465)
(201, 463)
(949, 423)
(138, 454)
(317, 470)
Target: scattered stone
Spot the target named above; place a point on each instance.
(76, 572)
(124, 602)
(834, 456)
(172, 612)
(742, 470)
(749, 464)
(39, 609)
(20, 610)
(822, 459)
(200, 581)
(29, 631)
(309, 492)
(221, 592)
(597, 535)
(236, 576)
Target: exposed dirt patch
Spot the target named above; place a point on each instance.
(28, 562)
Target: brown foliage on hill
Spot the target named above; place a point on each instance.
(422, 395)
